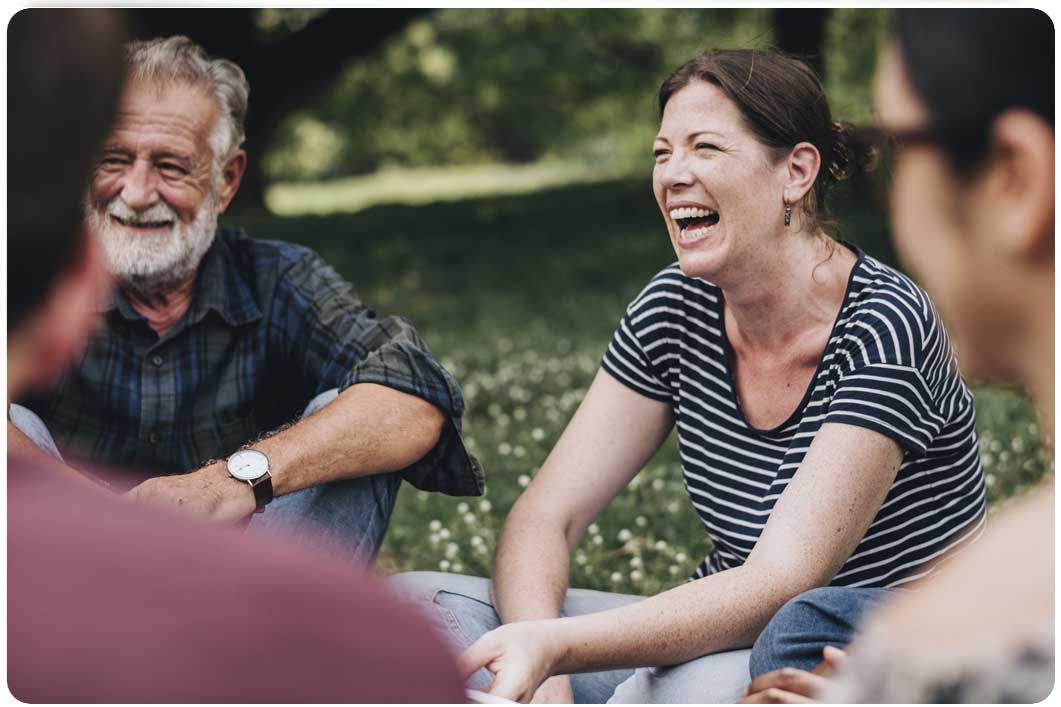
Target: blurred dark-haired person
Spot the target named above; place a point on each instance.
(973, 217)
(825, 433)
(215, 343)
(107, 601)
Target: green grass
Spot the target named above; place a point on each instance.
(423, 185)
(518, 296)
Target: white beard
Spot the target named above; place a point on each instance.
(152, 262)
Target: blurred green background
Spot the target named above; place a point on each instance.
(486, 173)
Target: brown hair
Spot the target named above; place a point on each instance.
(783, 103)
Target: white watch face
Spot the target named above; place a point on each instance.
(248, 464)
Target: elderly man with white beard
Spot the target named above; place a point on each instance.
(216, 344)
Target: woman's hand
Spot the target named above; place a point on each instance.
(521, 656)
(555, 691)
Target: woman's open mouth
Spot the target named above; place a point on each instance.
(693, 223)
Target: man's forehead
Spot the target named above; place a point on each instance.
(170, 108)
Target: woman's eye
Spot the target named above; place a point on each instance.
(660, 154)
(705, 146)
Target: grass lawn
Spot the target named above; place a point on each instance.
(518, 295)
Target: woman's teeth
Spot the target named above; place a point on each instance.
(693, 222)
(691, 213)
(688, 234)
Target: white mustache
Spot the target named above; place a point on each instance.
(154, 214)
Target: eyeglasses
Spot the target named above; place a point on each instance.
(964, 139)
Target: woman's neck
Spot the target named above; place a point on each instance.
(163, 308)
(796, 289)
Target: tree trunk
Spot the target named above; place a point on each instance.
(802, 32)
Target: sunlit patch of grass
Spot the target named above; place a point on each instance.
(406, 185)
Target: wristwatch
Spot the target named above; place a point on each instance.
(252, 466)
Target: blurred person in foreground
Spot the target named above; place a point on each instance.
(825, 433)
(215, 343)
(108, 602)
(973, 216)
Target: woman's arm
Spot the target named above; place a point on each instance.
(813, 529)
(611, 436)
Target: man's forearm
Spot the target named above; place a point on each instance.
(369, 429)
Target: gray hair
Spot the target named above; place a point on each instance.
(178, 59)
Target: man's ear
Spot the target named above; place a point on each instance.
(58, 331)
(1019, 183)
(803, 163)
(231, 176)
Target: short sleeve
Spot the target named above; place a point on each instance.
(647, 338)
(884, 374)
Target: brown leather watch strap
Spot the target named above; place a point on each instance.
(263, 491)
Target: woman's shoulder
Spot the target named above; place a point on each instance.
(890, 310)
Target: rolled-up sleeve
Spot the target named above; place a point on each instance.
(336, 341)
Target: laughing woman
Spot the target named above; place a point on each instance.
(825, 433)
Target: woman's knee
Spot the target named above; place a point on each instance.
(793, 636)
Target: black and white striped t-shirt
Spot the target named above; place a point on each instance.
(888, 366)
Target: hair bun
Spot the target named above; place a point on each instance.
(854, 150)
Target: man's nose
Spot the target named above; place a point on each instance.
(140, 186)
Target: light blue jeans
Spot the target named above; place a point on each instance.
(348, 517)
(460, 607)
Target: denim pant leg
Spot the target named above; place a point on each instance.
(821, 617)
(349, 517)
(718, 678)
(460, 607)
(28, 423)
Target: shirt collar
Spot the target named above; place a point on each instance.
(222, 286)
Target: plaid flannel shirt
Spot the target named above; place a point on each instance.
(270, 326)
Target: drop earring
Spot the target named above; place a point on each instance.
(788, 215)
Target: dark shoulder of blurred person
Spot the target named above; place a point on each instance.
(111, 602)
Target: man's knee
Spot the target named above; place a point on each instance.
(320, 401)
(797, 633)
(30, 424)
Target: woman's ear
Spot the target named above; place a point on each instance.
(1019, 183)
(803, 164)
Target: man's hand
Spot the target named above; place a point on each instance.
(209, 493)
(794, 686)
(521, 656)
(554, 691)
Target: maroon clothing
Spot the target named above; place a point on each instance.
(108, 602)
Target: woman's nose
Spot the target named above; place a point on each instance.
(675, 173)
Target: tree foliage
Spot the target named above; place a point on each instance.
(512, 85)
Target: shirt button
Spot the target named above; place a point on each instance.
(157, 360)
(153, 437)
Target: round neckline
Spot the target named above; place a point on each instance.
(720, 305)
